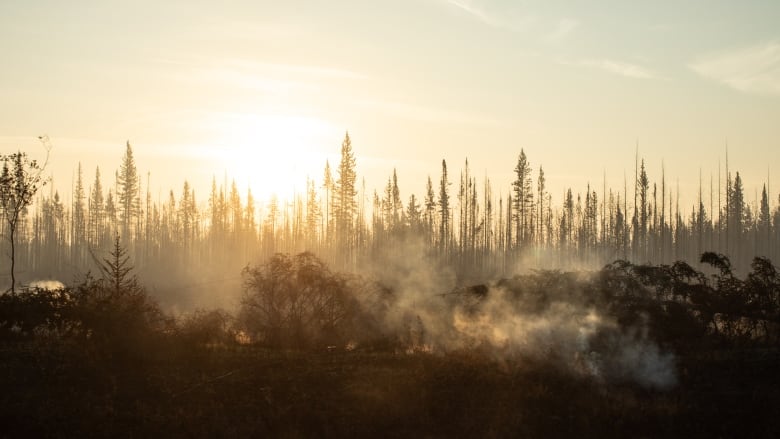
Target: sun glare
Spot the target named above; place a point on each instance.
(272, 155)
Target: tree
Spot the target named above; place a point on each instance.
(116, 271)
(217, 208)
(540, 215)
(312, 212)
(523, 199)
(643, 183)
(249, 215)
(736, 215)
(414, 215)
(327, 184)
(96, 211)
(127, 191)
(236, 212)
(78, 220)
(345, 193)
(764, 223)
(430, 210)
(397, 204)
(387, 205)
(188, 214)
(444, 207)
(20, 180)
(620, 230)
(568, 213)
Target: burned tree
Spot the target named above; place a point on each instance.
(20, 180)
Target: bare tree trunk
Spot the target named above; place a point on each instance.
(13, 257)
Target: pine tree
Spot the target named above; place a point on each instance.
(620, 228)
(216, 209)
(127, 192)
(387, 205)
(413, 215)
(523, 199)
(430, 210)
(344, 199)
(764, 224)
(444, 209)
(110, 212)
(236, 212)
(79, 217)
(312, 212)
(398, 207)
(116, 272)
(540, 182)
(187, 217)
(96, 211)
(568, 208)
(327, 184)
(249, 218)
(736, 216)
(643, 184)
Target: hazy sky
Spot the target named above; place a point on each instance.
(264, 90)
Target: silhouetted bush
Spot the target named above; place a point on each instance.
(296, 302)
(101, 359)
(36, 312)
(208, 328)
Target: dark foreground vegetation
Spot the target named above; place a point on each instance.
(310, 353)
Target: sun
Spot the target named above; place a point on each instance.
(271, 154)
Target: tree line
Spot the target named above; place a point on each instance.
(460, 221)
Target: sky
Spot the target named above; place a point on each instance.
(263, 91)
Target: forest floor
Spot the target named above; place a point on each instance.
(66, 390)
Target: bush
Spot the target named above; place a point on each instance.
(296, 302)
(208, 328)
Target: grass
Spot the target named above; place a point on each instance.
(63, 390)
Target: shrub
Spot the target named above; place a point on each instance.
(296, 302)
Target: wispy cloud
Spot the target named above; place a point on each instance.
(476, 11)
(268, 77)
(753, 69)
(503, 19)
(621, 68)
(424, 114)
(250, 80)
(313, 71)
(563, 28)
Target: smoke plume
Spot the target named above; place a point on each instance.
(544, 316)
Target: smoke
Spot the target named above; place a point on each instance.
(544, 316)
(47, 284)
(414, 310)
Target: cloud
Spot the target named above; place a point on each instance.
(621, 68)
(475, 11)
(503, 20)
(425, 114)
(516, 20)
(753, 69)
(322, 72)
(563, 28)
(272, 78)
(250, 81)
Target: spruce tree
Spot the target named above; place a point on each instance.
(127, 191)
(344, 200)
(523, 198)
(444, 208)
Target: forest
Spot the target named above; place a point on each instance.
(184, 240)
(467, 311)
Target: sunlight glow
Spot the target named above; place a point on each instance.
(272, 155)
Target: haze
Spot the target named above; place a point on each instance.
(263, 91)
